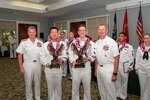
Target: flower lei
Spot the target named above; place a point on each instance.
(142, 47)
(124, 44)
(57, 44)
(77, 42)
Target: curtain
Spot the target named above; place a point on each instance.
(92, 26)
(7, 25)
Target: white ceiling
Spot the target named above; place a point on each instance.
(51, 8)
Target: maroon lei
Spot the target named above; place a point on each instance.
(77, 42)
(57, 44)
(124, 44)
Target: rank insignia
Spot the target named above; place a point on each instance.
(105, 47)
(39, 44)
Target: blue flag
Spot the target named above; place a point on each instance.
(114, 35)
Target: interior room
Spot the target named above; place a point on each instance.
(67, 15)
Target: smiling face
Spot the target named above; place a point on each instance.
(122, 37)
(102, 31)
(82, 31)
(62, 35)
(71, 35)
(147, 39)
(31, 32)
(53, 34)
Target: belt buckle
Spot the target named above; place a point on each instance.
(34, 60)
(101, 65)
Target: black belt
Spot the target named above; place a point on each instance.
(34, 61)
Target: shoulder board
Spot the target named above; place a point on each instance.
(23, 40)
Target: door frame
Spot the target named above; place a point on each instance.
(75, 20)
(27, 22)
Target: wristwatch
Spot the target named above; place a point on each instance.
(115, 74)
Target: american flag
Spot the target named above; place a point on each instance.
(139, 29)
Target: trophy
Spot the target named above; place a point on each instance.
(80, 63)
(55, 53)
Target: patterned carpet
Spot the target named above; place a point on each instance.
(12, 84)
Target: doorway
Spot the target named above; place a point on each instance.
(23, 30)
(74, 27)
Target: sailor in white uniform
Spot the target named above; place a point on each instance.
(70, 40)
(13, 44)
(126, 63)
(30, 65)
(65, 40)
(52, 56)
(107, 56)
(142, 67)
(82, 72)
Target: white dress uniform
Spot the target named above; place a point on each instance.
(126, 63)
(81, 74)
(106, 49)
(64, 66)
(32, 66)
(54, 75)
(143, 66)
(13, 46)
(70, 64)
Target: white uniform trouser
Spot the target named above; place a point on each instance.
(32, 72)
(64, 66)
(144, 79)
(12, 51)
(121, 83)
(79, 74)
(105, 85)
(54, 85)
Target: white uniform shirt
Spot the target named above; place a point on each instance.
(105, 50)
(90, 53)
(143, 65)
(46, 58)
(29, 49)
(65, 40)
(12, 39)
(126, 55)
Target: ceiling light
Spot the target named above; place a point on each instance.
(36, 0)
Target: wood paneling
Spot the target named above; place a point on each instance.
(23, 31)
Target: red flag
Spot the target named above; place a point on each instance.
(125, 26)
(139, 29)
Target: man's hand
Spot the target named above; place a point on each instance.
(60, 61)
(22, 71)
(137, 71)
(48, 65)
(114, 78)
(129, 70)
(73, 63)
(86, 59)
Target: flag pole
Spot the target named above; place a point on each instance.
(139, 32)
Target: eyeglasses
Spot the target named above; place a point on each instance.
(81, 30)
